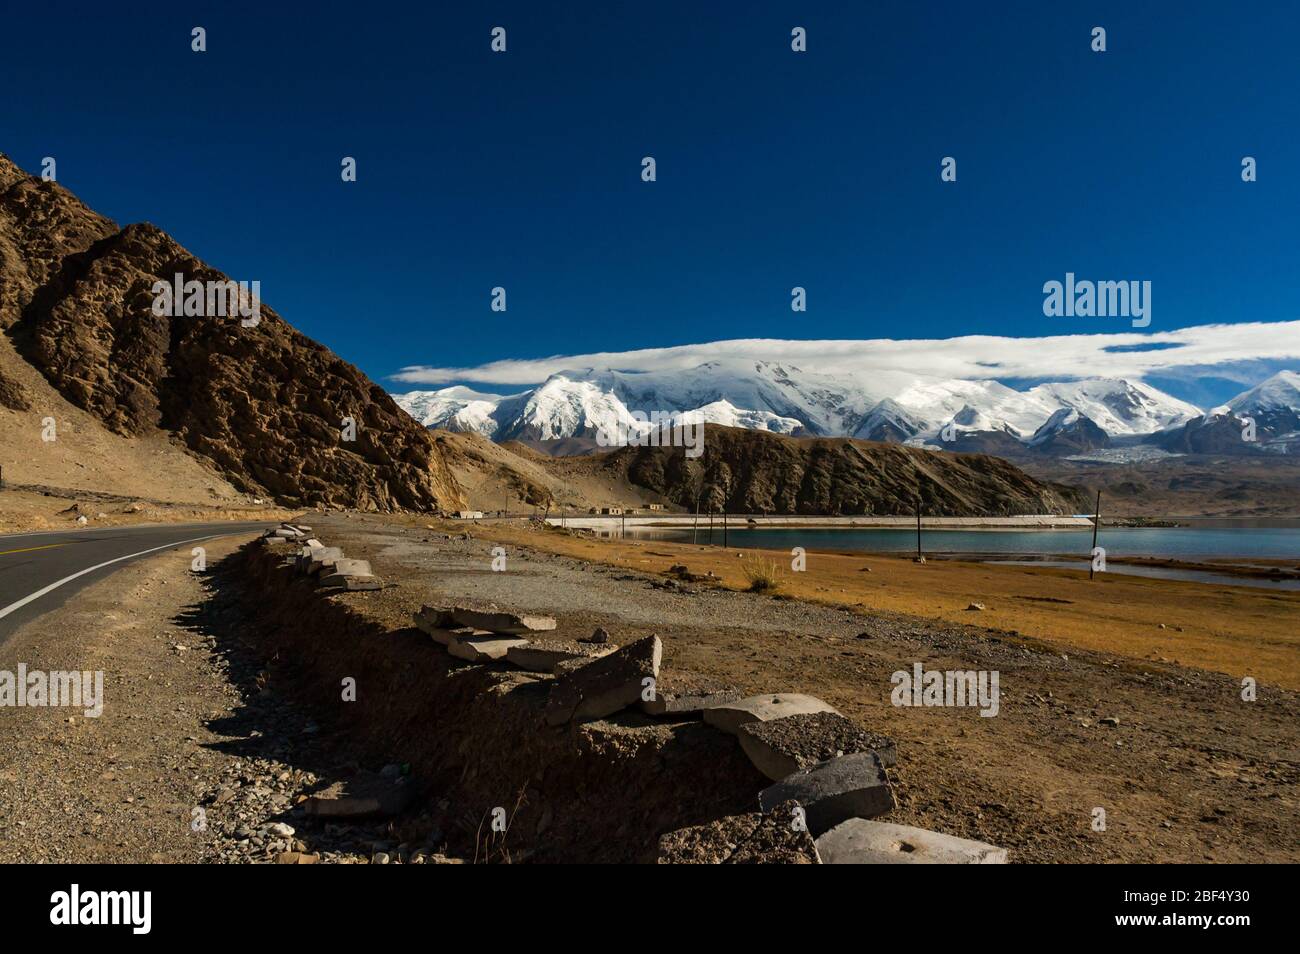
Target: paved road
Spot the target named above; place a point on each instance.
(39, 571)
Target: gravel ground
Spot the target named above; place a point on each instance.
(194, 758)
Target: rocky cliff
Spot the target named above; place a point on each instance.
(264, 404)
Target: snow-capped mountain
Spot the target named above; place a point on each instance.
(891, 406)
(1264, 419)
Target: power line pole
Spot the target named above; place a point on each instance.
(1096, 522)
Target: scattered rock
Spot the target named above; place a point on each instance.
(861, 842)
(363, 795)
(598, 636)
(975, 606)
(1108, 720)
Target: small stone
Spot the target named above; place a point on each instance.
(975, 606)
(1108, 720)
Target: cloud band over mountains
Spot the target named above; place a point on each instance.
(1232, 351)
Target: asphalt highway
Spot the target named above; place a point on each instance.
(40, 571)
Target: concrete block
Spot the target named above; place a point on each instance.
(853, 786)
(508, 623)
(784, 746)
(479, 647)
(753, 838)
(544, 656)
(674, 706)
(861, 842)
(605, 685)
(730, 716)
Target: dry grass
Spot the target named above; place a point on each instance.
(761, 574)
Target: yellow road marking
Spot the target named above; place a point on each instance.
(48, 546)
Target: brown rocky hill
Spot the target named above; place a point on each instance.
(264, 405)
(759, 472)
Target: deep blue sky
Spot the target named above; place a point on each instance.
(775, 169)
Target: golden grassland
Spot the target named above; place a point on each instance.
(1237, 630)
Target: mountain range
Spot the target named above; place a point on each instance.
(1056, 418)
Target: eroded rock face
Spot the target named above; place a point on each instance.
(264, 404)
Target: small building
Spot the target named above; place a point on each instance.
(611, 511)
(654, 506)
(468, 515)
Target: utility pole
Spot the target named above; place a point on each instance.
(1096, 522)
(918, 528)
(724, 528)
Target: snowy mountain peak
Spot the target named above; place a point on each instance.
(1280, 392)
(892, 406)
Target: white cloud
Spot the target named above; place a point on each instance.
(1187, 352)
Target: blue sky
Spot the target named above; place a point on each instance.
(775, 169)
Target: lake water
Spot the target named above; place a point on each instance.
(1192, 543)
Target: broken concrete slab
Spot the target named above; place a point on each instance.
(346, 567)
(507, 623)
(324, 558)
(430, 618)
(861, 842)
(478, 646)
(366, 794)
(353, 584)
(852, 786)
(771, 837)
(605, 685)
(784, 746)
(545, 655)
(445, 636)
(730, 716)
(680, 706)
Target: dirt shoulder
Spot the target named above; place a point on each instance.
(1189, 773)
(25, 509)
(193, 758)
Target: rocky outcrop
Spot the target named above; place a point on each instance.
(264, 404)
(745, 471)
